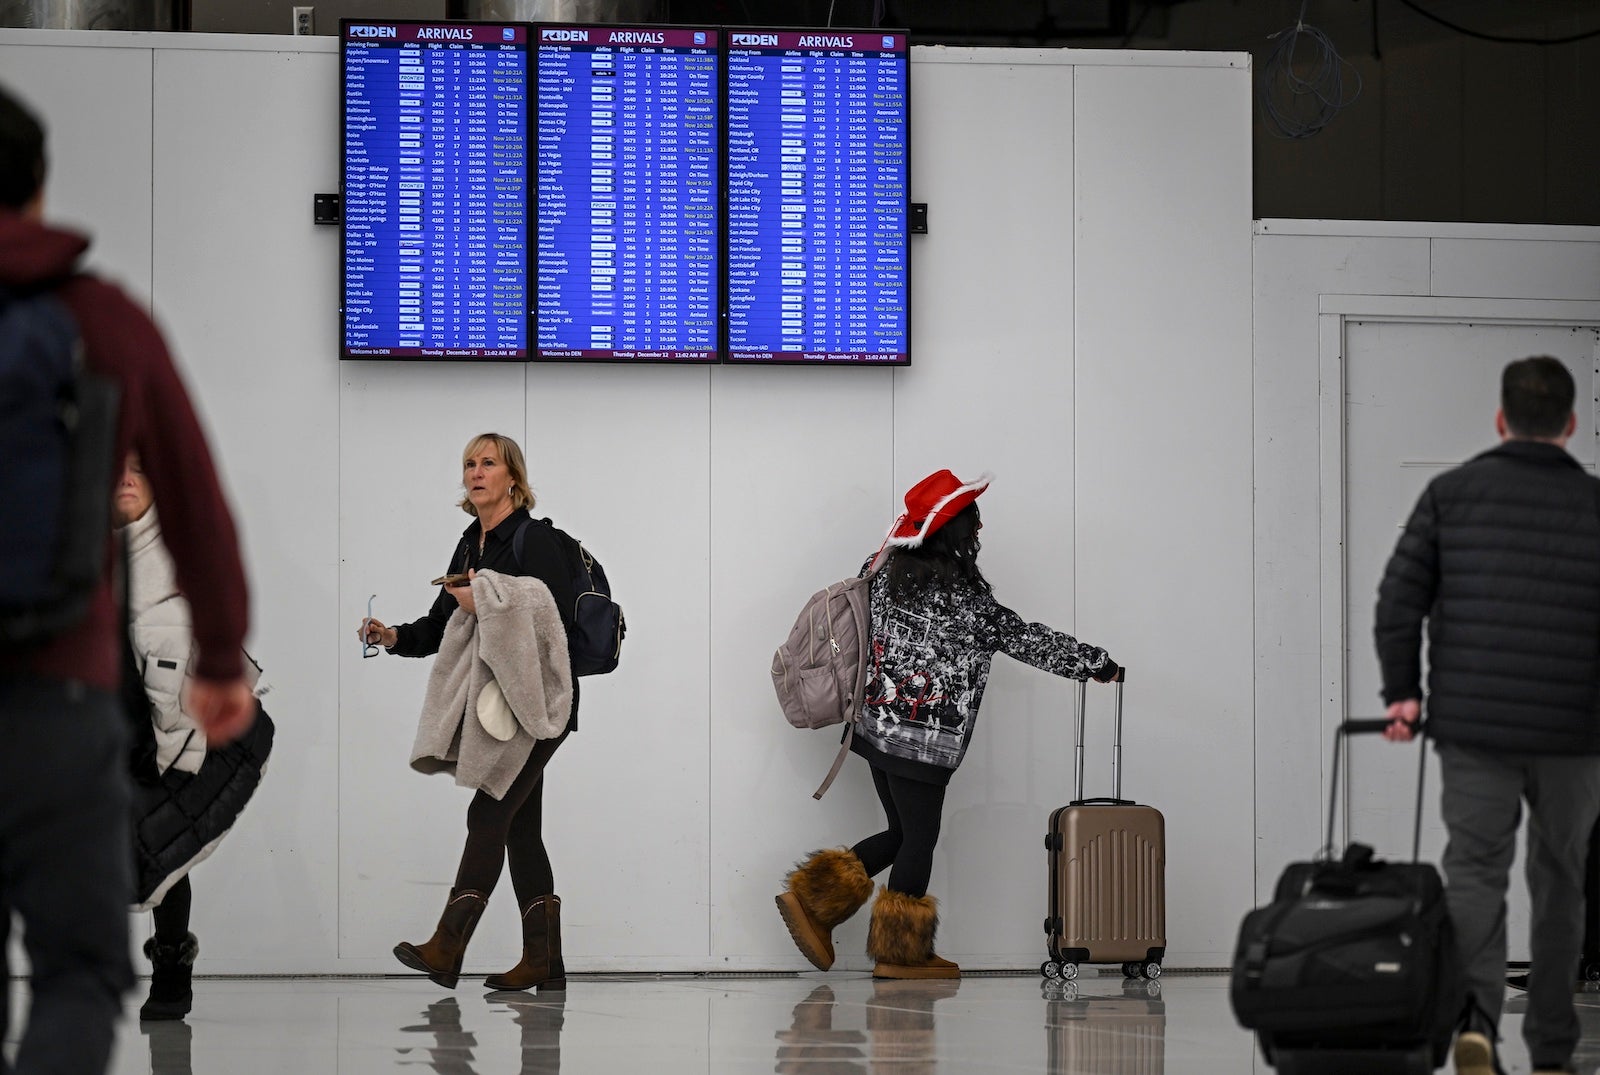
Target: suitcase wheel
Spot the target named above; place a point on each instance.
(1591, 971)
(1130, 969)
(1051, 990)
(1151, 970)
(1135, 987)
(1058, 972)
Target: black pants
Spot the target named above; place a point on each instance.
(914, 809)
(172, 913)
(511, 827)
(65, 869)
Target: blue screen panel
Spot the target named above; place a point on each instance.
(818, 149)
(435, 190)
(628, 173)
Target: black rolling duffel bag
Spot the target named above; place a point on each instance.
(1353, 965)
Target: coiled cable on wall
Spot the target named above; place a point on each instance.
(1296, 105)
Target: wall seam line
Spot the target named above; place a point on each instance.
(1077, 490)
(711, 857)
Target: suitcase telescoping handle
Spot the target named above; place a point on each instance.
(1116, 746)
(1373, 726)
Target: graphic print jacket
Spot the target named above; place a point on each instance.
(929, 664)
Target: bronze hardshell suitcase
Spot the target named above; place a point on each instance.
(1108, 865)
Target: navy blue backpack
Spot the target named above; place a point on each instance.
(58, 425)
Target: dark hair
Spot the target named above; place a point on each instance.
(949, 554)
(1536, 396)
(21, 153)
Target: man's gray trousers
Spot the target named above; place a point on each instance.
(1481, 806)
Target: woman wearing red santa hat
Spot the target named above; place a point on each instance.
(935, 628)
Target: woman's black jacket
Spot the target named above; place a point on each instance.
(543, 557)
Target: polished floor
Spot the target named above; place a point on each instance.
(810, 1024)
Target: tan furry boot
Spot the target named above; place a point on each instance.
(900, 938)
(822, 891)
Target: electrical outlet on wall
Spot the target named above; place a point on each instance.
(305, 21)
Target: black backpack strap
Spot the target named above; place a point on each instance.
(572, 549)
(516, 540)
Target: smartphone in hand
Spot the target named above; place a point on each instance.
(451, 580)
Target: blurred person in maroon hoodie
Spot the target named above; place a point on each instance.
(65, 867)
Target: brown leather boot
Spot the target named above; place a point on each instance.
(821, 892)
(900, 938)
(441, 955)
(541, 967)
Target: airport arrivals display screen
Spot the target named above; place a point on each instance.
(435, 194)
(678, 194)
(628, 174)
(817, 198)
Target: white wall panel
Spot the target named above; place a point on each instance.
(96, 108)
(1296, 263)
(1162, 452)
(1420, 398)
(247, 290)
(991, 390)
(402, 429)
(1290, 743)
(1080, 327)
(1511, 269)
(801, 465)
(621, 459)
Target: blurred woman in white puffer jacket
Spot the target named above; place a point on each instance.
(186, 797)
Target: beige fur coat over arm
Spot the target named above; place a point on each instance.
(516, 641)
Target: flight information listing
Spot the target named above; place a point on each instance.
(817, 199)
(628, 169)
(436, 214)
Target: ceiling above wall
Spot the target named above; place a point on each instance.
(992, 22)
(1166, 24)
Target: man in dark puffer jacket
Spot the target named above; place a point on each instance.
(1502, 557)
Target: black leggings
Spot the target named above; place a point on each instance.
(914, 809)
(172, 913)
(510, 827)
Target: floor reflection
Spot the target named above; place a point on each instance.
(450, 1052)
(1106, 1034)
(813, 1046)
(838, 1024)
(171, 1045)
(540, 1019)
(899, 1034)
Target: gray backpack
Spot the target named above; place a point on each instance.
(820, 672)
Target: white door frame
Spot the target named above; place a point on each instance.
(1334, 312)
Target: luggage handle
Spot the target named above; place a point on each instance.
(1116, 744)
(1374, 726)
